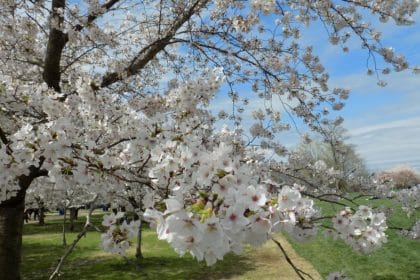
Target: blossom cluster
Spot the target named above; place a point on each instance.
(409, 198)
(225, 220)
(364, 230)
(119, 234)
(337, 276)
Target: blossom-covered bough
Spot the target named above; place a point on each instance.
(84, 104)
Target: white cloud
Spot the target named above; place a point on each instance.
(370, 104)
(388, 144)
(407, 123)
(363, 84)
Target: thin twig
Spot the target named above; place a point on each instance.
(298, 271)
(88, 224)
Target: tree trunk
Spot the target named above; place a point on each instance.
(41, 214)
(11, 223)
(139, 254)
(73, 216)
(64, 227)
(11, 226)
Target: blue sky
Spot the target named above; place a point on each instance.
(383, 122)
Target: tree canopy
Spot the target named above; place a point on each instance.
(111, 98)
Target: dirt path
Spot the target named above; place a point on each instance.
(271, 264)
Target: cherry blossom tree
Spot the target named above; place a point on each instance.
(328, 161)
(84, 103)
(400, 176)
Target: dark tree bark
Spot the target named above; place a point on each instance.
(56, 42)
(139, 254)
(73, 217)
(64, 227)
(41, 214)
(11, 223)
(137, 205)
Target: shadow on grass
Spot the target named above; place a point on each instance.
(56, 225)
(38, 260)
(414, 275)
(169, 268)
(87, 262)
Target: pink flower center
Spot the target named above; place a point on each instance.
(233, 217)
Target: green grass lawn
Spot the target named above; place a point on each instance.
(42, 248)
(399, 258)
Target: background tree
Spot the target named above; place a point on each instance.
(338, 155)
(400, 176)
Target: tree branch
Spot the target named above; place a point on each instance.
(3, 137)
(149, 52)
(92, 17)
(298, 271)
(87, 225)
(326, 200)
(24, 181)
(55, 46)
(58, 39)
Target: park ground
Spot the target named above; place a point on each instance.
(42, 247)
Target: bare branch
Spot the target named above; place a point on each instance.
(326, 200)
(92, 17)
(298, 271)
(149, 52)
(87, 225)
